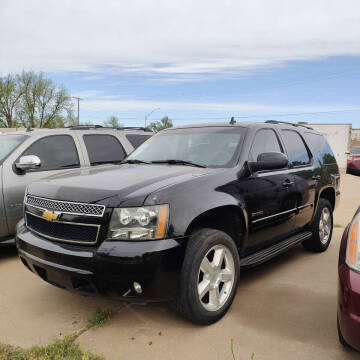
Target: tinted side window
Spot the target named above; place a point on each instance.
(55, 152)
(297, 152)
(136, 140)
(103, 149)
(321, 148)
(265, 141)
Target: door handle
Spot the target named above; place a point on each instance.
(316, 177)
(287, 183)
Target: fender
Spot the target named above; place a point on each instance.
(318, 196)
(190, 201)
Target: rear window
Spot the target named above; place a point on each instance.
(320, 147)
(136, 140)
(297, 152)
(103, 149)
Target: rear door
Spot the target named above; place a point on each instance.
(58, 153)
(302, 168)
(269, 195)
(103, 149)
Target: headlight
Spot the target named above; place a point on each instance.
(139, 223)
(353, 245)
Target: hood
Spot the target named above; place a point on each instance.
(114, 185)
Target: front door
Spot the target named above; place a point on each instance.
(57, 153)
(270, 196)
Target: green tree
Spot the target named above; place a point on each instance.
(113, 121)
(10, 96)
(43, 103)
(164, 123)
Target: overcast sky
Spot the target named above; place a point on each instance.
(192, 59)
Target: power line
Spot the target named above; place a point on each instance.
(264, 115)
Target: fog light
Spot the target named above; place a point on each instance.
(137, 287)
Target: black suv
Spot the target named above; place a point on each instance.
(183, 214)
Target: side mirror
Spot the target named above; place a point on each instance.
(347, 152)
(269, 161)
(28, 162)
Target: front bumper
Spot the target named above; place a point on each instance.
(109, 269)
(349, 305)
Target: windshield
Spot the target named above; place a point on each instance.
(211, 146)
(355, 150)
(8, 143)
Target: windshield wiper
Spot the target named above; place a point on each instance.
(177, 162)
(133, 161)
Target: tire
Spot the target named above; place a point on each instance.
(341, 338)
(316, 243)
(209, 308)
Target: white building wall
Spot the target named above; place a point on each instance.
(339, 138)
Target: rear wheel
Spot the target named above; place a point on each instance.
(321, 228)
(209, 276)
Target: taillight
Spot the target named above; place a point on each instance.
(352, 250)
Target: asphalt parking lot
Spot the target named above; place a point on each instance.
(285, 309)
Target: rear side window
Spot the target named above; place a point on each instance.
(103, 149)
(321, 148)
(136, 140)
(297, 151)
(55, 152)
(265, 141)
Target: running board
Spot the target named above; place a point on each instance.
(272, 251)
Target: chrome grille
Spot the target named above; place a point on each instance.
(66, 207)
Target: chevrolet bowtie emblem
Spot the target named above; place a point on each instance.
(50, 215)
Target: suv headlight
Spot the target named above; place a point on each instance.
(353, 245)
(139, 223)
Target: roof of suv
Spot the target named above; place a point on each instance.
(252, 124)
(37, 131)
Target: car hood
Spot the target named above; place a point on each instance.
(114, 185)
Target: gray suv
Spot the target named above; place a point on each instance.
(29, 156)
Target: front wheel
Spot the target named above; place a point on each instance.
(322, 228)
(209, 276)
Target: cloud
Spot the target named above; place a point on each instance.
(113, 104)
(172, 39)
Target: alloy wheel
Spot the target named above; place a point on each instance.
(325, 225)
(216, 277)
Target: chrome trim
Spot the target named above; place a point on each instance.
(64, 222)
(305, 206)
(66, 202)
(274, 215)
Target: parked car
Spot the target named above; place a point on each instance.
(27, 156)
(353, 161)
(349, 285)
(187, 210)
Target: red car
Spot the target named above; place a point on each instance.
(349, 285)
(353, 161)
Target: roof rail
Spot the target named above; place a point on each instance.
(134, 128)
(288, 123)
(94, 127)
(84, 127)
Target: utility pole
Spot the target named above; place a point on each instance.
(147, 115)
(78, 108)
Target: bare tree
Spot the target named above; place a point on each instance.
(10, 96)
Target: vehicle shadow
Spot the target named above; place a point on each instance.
(7, 252)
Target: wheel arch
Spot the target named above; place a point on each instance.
(230, 219)
(328, 193)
